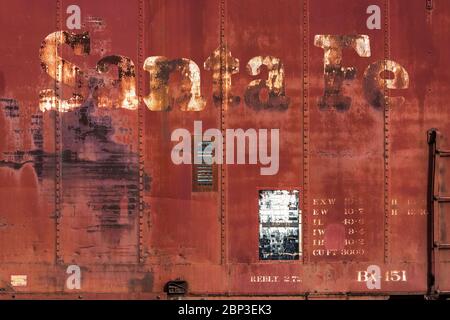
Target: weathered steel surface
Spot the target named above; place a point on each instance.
(86, 120)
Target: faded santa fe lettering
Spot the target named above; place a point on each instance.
(274, 85)
(111, 92)
(260, 94)
(236, 147)
(223, 65)
(62, 70)
(160, 68)
(334, 72)
(376, 82)
(126, 83)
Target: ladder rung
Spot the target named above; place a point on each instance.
(442, 245)
(442, 199)
(444, 153)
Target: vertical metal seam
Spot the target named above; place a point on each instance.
(141, 147)
(305, 131)
(387, 146)
(432, 284)
(58, 146)
(223, 249)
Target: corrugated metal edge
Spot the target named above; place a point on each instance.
(387, 146)
(223, 112)
(58, 145)
(141, 133)
(305, 185)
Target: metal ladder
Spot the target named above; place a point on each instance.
(435, 199)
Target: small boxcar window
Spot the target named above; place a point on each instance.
(204, 175)
(279, 225)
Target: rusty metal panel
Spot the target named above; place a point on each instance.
(419, 108)
(173, 30)
(261, 29)
(346, 137)
(98, 140)
(27, 198)
(98, 193)
(407, 153)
